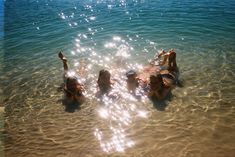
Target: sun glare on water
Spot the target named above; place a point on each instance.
(119, 109)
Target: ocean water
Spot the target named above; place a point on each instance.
(199, 119)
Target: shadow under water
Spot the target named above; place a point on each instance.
(162, 104)
(71, 106)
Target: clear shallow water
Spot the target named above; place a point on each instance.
(116, 35)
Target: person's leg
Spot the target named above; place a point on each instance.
(162, 53)
(164, 60)
(172, 61)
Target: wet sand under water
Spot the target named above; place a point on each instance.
(197, 121)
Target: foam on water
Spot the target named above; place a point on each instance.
(117, 35)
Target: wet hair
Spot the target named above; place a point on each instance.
(156, 82)
(104, 86)
(71, 79)
(105, 73)
(71, 83)
(131, 73)
(159, 77)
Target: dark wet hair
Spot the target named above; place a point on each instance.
(156, 81)
(71, 83)
(104, 86)
(130, 73)
(104, 72)
(159, 77)
(153, 79)
(71, 79)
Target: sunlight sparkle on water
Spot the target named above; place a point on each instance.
(103, 113)
(107, 58)
(118, 142)
(109, 6)
(119, 108)
(62, 16)
(110, 45)
(86, 20)
(117, 38)
(119, 115)
(142, 114)
(93, 53)
(83, 49)
(78, 50)
(92, 18)
(77, 45)
(88, 7)
(151, 43)
(84, 36)
(72, 15)
(77, 40)
(89, 66)
(72, 52)
(76, 64)
(71, 73)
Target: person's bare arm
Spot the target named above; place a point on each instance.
(63, 58)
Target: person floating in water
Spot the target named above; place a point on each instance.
(156, 81)
(105, 83)
(72, 88)
(132, 81)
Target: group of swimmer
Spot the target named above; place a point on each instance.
(156, 80)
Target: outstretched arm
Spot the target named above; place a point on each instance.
(61, 56)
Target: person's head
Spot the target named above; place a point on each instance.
(104, 74)
(71, 85)
(104, 81)
(104, 77)
(132, 81)
(131, 75)
(71, 81)
(156, 82)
